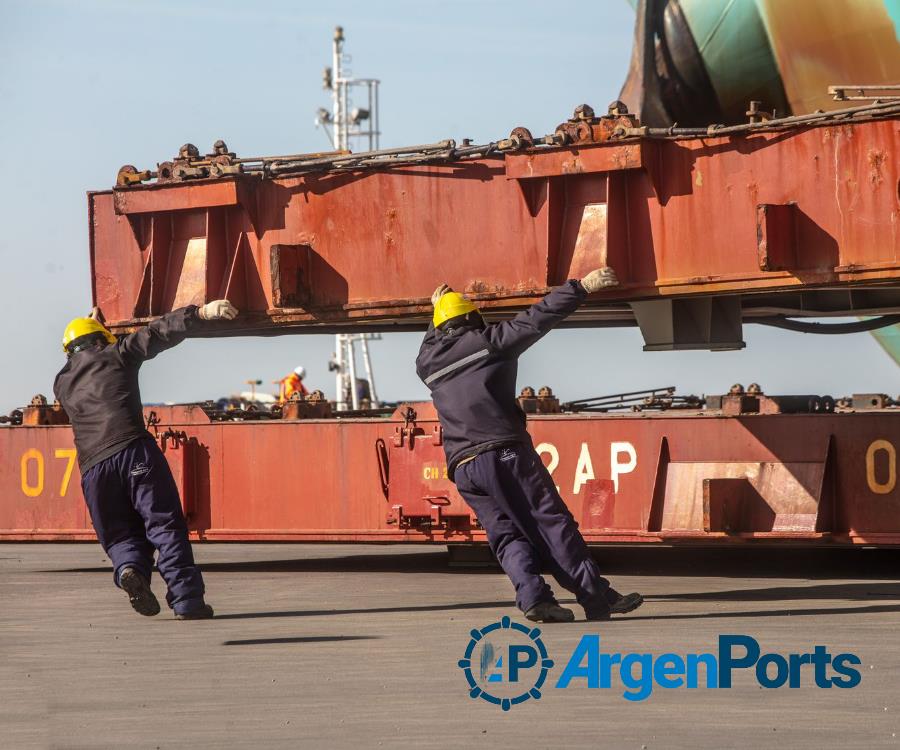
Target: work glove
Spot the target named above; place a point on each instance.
(220, 309)
(598, 279)
(97, 315)
(439, 292)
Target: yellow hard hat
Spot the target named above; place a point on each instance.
(450, 305)
(82, 327)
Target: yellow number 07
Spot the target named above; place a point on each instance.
(33, 455)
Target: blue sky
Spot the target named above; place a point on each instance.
(89, 85)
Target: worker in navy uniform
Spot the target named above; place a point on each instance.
(126, 480)
(471, 369)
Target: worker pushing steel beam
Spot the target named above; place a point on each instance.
(126, 480)
(471, 369)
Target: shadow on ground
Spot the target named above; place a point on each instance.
(785, 611)
(848, 591)
(744, 562)
(299, 639)
(766, 613)
(370, 611)
(787, 595)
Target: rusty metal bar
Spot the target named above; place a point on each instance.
(703, 232)
(617, 400)
(874, 109)
(864, 93)
(372, 158)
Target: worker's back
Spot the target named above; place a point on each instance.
(473, 386)
(98, 386)
(472, 371)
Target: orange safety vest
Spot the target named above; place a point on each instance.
(293, 383)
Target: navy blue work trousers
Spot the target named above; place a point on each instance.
(135, 508)
(530, 529)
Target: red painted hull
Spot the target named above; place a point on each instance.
(674, 478)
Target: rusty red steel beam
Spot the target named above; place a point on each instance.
(812, 206)
(685, 477)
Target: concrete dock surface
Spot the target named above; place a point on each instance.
(357, 646)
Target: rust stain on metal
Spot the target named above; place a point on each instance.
(572, 166)
(478, 287)
(876, 159)
(753, 190)
(628, 157)
(390, 215)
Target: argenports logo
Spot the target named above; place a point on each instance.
(506, 664)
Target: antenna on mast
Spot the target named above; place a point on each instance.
(345, 120)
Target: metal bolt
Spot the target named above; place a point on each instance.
(583, 112)
(188, 151)
(521, 138)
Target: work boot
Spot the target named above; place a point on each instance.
(203, 612)
(141, 596)
(621, 604)
(626, 603)
(549, 612)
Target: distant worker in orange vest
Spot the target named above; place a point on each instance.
(293, 383)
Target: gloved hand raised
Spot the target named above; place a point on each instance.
(439, 292)
(220, 309)
(598, 279)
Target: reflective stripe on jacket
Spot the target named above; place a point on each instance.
(471, 374)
